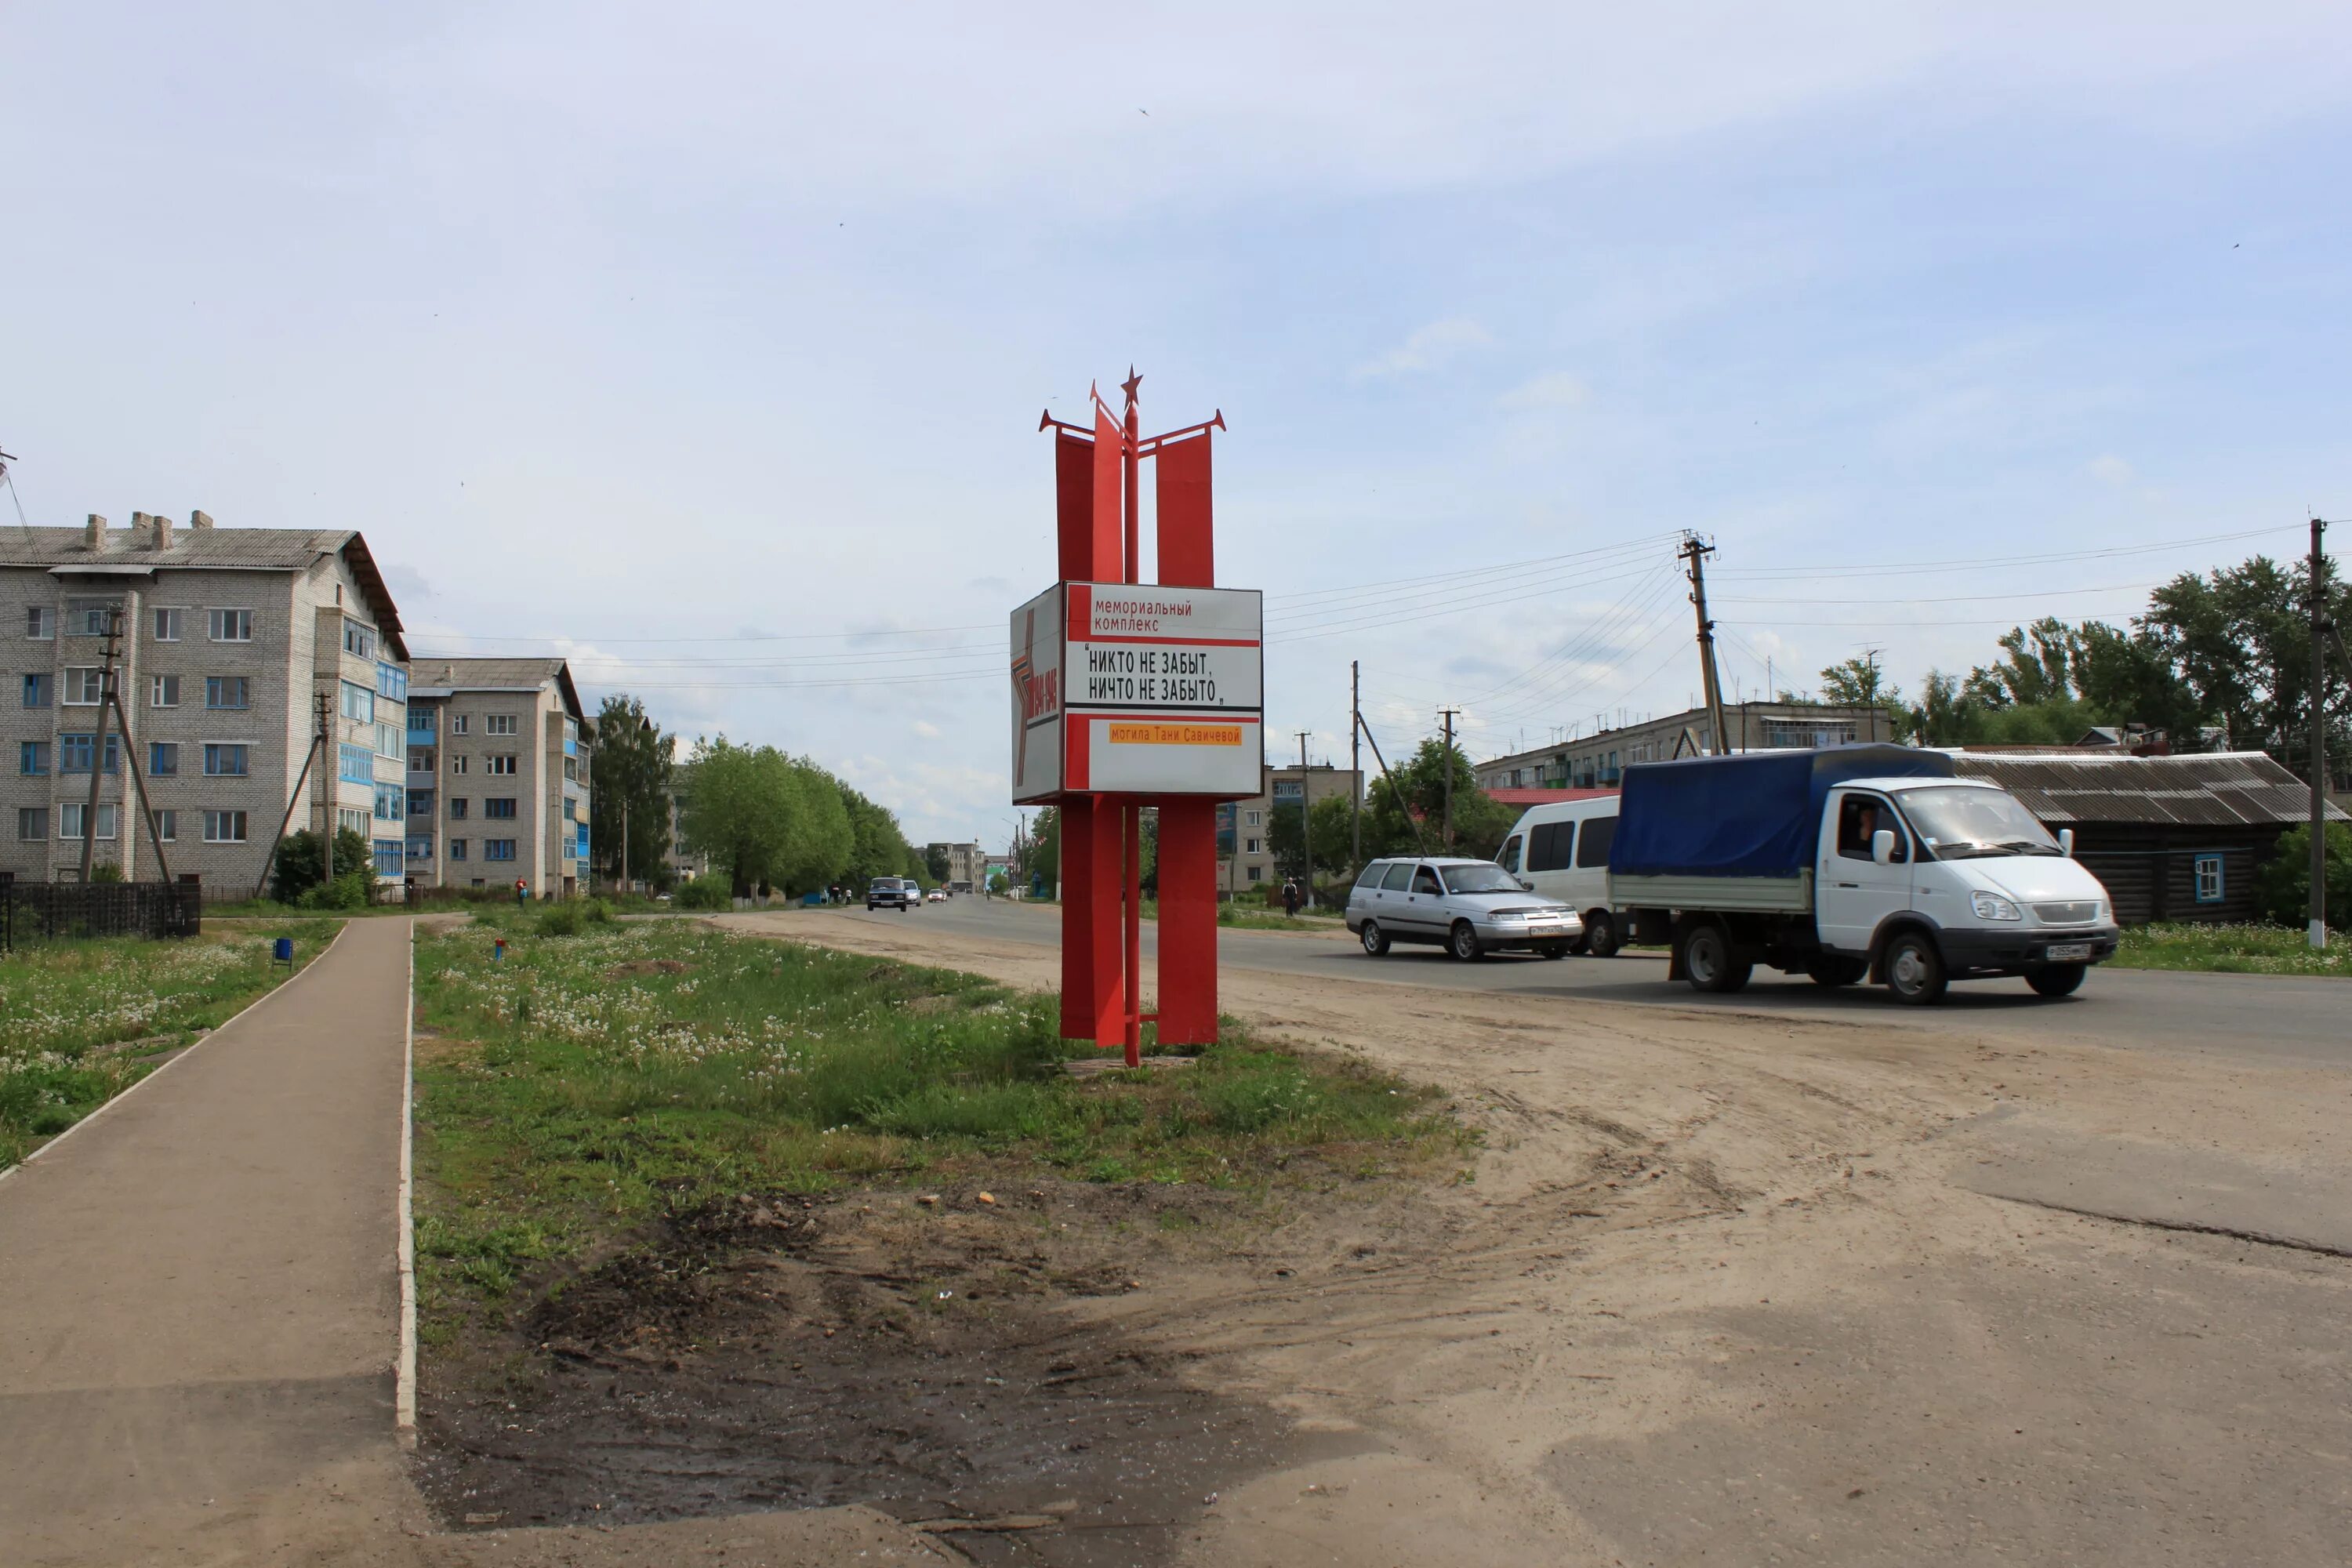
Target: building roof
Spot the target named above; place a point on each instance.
(129, 551)
(444, 676)
(1527, 797)
(2223, 789)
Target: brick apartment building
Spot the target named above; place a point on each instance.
(227, 638)
(498, 777)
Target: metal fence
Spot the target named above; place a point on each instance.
(42, 911)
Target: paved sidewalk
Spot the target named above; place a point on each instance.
(199, 1300)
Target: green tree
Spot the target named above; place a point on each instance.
(935, 861)
(2282, 885)
(1045, 866)
(298, 865)
(1481, 823)
(877, 845)
(1859, 683)
(770, 820)
(630, 772)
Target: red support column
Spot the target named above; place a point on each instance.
(1188, 922)
(1093, 999)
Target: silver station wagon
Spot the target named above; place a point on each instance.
(1470, 908)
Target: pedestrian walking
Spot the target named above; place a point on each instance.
(522, 892)
(1291, 897)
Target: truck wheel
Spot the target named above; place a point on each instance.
(1462, 942)
(1708, 961)
(1915, 970)
(1832, 972)
(1376, 940)
(1601, 933)
(2058, 979)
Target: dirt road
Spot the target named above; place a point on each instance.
(1748, 1289)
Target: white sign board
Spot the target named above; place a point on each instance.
(1138, 691)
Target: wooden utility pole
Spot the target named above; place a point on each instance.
(2319, 629)
(97, 743)
(1403, 805)
(1695, 551)
(1446, 837)
(322, 707)
(139, 781)
(1356, 767)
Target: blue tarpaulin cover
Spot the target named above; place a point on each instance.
(1758, 814)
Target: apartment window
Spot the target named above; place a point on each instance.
(163, 759)
(38, 691)
(1257, 873)
(85, 687)
(164, 691)
(391, 803)
(224, 827)
(224, 761)
(89, 617)
(358, 703)
(1253, 819)
(391, 682)
(41, 626)
(420, 847)
(74, 753)
(570, 770)
(458, 809)
(229, 626)
(359, 641)
(571, 808)
(420, 759)
(498, 849)
(498, 806)
(33, 758)
(456, 764)
(390, 743)
(355, 764)
(167, 624)
(420, 802)
(456, 723)
(457, 851)
(502, 763)
(346, 818)
(32, 822)
(499, 724)
(227, 691)
(167, 826)
(423, 721)
(388, 854)
(73, 814)
(1251, 845)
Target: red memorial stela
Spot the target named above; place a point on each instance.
(1128, 695)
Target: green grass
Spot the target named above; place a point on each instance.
(586, 1084)
(82, 1021)
(2232, 950)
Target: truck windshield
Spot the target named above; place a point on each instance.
(1480, 880)
(1959, 823)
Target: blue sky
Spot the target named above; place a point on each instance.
(709, 341)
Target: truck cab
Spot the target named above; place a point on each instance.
(1856, 862)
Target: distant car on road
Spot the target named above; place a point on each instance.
(1470, 908)
(936, 896)
(893, 893)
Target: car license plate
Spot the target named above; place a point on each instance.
(2068, 951)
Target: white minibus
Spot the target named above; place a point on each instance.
(1561, 851)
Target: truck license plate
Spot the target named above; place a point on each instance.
(2068, 951)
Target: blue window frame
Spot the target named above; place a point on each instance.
(391, 803)
(162, 758)
(358, 703)
(224, 761)
(456, 849)
(39, 690)
(392, 681)
(423, 723)
(457, 809)
(2209, 878)
(227, 691)
(420, 847)
(73, 752)
(498, 849)
(33, 757)
(420, 802)
(355, 764)
(389, 854)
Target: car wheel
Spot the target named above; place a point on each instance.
(1915, 970)
(2058, 979)
(1708, 961)
(1601, 933)
(1462, 942)
(1376, 940)
(1554, 950)
(1832, 972)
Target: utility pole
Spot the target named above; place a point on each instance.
(2320, 739)
(1355, 767)
(1305, 849)
(139, 781)
(320, 704)
(1447, 836)
(1404, 808)
(1695, 551)
(98, 744)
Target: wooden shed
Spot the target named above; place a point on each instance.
(2174, 837)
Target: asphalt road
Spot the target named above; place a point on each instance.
(2278, 1020)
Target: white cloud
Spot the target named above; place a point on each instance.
(2110, 469)
(1553, 389)
(927, 729)
(1428, 348)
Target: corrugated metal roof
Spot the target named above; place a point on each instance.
(2222, 789)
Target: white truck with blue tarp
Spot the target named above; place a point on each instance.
(1855, 862)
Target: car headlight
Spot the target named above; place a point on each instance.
(1993, 906)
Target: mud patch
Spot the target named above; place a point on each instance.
(922, 1359)
(647, 966)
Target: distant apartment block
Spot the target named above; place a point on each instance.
(227, 635)
(1245, 857)
(967, 866)
(498, 777)
(1599, 761)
